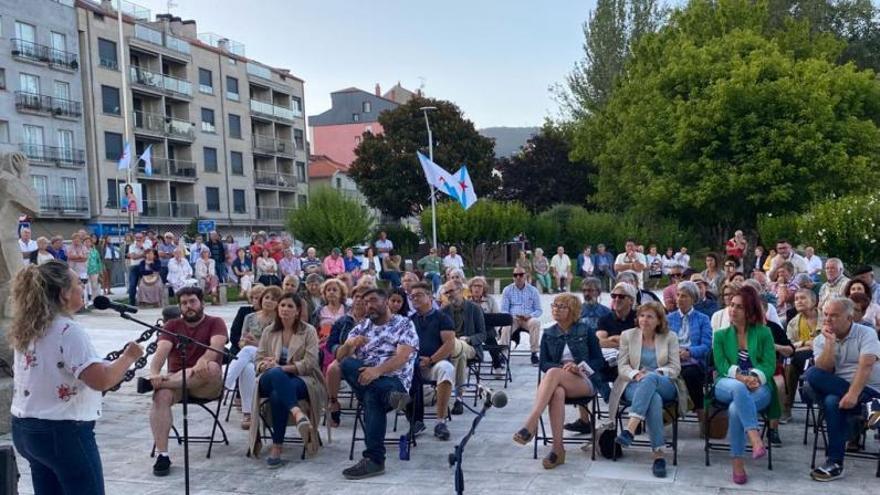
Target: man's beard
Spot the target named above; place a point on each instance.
(189, 318)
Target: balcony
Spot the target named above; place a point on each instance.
(275, 214)
(160, 82)
(170, 209)
(158, 124)
(272, 146)
(267, 109)
(59, 107)
(178, 46)
(170, 169)
(42, 54)
(52, 155)
(268, 179)
(64, 205)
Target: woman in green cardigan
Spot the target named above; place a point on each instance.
(745, 360)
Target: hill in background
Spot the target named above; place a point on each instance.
(508, 140)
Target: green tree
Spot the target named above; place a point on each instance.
(330, 220)
(845, 227)
(542, 174)
(609, 33)
(478, 229)
(715, 122)
(387, 170)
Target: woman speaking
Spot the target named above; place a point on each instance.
(58, 382)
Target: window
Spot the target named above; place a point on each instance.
(110, 100)
(208, 120)
(107, 54)
(62, 90)
(298, 139)
(2, 78)
(112, 193)
(112, 145)
(301, 171)
(68, 193)
(28, 83)
(210, 155)
(206, 81)
(296, 103)
(234, 126)
(59, 48)
(25, 32)
(41, 185)
(232, 89)
(212, 198)
(33, 136)
(236, 163)
(367, 107)
(355, 117)
(4, 131)
(238, 201)
(65, 145)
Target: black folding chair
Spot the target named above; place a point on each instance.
(266, 433)
(669, 407)
(821, 429)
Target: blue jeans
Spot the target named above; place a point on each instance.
(133, 284)
(393, 277)
(742, 410)
(284, 392)
(646, 398)
(63, 455)
(434, 277)
(828, 388)
(374, 397)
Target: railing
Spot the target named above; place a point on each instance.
(65, 157)
(170, 209)
(45, 103)
(277, 213)
(64, 204)
(160, 124)
(272, 145)
(159, 81)
(259, 70)
(159, 38)
(270, 110)
(41, 53)
(170, 168)
(274, 179)
(223, 43)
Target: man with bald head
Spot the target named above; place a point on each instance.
(846, 375)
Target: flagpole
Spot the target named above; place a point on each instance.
(126, 117)
(425, 111)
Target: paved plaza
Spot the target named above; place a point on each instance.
(493, 463)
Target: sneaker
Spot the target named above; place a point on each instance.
(441, 431)
(624, 439)
(365, 468)
(418, 427)
(873, 413)
(775, 439)
(785, 418)
(579, 426)
(458, 407)
(275, 462)
(659, 468)
(829, 471)
(535, 359)
(162, 466)
(144, 385)
(398, 400)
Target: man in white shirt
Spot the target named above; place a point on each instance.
(453, 260)
(683, 258)
(560, 266)
(384, 245)
(784, 253)
(814, 263)
(632, 260)
(26, 245)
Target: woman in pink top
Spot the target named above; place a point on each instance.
(333, 292)
(333, 264)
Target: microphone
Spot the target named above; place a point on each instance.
(103, 302)
(497, 399)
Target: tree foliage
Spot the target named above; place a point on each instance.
(717, 120)
(330, 220)
(485, 224)
(846, 227)
(542, 174)
(387, 170)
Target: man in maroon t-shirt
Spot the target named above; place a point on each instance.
(204, 377)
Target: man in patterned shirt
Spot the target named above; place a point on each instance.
(378, 360)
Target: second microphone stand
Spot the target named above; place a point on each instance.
(455, 458)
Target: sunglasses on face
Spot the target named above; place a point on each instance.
(619, 296)
(519, 275)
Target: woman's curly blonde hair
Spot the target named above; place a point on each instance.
(36, 301)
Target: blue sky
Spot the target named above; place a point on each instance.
(494, 58)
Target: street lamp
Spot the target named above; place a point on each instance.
(425, 111)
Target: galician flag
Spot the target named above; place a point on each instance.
(457, 186)
(147, 157)
(466, 194)
(125, 159)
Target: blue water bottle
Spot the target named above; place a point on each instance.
(404, 448)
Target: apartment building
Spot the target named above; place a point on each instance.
(41, 113)
(226, 133)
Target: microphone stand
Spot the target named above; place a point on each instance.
(183, 341)
(455, 458)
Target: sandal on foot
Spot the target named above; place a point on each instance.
(523, 436)
(304, 426)
(246, 422)
(553, 459)
(335, 413)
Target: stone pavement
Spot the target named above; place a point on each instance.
(493, 463)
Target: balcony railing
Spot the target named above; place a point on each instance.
(64, 204)
(270, 213)
(35, 52)
(63, 157)
(268, 109)
(161, 82)
(159, 38)
(170, 209)
(49, 104)
(271, 179)
(166, 126)
(271, 145)
(165, 168)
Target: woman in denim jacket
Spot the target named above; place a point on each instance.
(572, 362)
